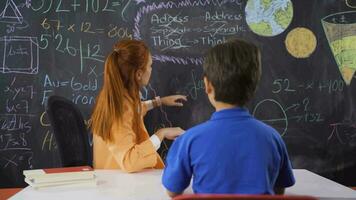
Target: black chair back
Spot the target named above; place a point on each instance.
(70, 132)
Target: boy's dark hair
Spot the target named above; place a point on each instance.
(234, 69)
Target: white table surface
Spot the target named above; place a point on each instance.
(114, 184)
(309, 183)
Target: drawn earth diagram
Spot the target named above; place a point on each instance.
(268, 17)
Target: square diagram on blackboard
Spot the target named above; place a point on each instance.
(20, 54)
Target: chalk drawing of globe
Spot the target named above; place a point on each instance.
(268, 17)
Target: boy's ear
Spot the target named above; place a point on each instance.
(208, 86)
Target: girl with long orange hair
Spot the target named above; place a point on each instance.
(121, 140)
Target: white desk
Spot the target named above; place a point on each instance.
(309, 183)
(113, 184)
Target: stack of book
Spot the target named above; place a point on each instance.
(66, 176)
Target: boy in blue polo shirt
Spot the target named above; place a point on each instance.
(232, 152)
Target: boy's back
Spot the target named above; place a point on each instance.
(231, 153)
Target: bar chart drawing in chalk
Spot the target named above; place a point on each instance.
(11, 14)
(20, 55)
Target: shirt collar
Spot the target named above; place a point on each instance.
(231, 113)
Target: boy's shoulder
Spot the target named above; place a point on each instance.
(203, 129)
(268, 129)
(196, 130)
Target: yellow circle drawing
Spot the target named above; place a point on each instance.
(300, 42)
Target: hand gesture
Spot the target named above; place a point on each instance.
(174, 100)
(169, 133)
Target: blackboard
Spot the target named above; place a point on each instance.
(58, 47)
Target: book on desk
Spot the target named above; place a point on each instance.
(60, 177)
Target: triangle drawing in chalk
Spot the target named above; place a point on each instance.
(11, 14)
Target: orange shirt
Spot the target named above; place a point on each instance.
(130, 151)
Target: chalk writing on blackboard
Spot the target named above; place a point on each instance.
(11, 13)
(170, 28)
(345, 133)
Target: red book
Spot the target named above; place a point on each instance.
(68, 169)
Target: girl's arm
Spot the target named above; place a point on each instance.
(130, 155)
(173, 100)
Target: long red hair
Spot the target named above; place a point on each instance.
(121, 66)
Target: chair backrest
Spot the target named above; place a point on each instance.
(240, 197)
(70, 132)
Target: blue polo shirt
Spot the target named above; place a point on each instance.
(231, 153)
